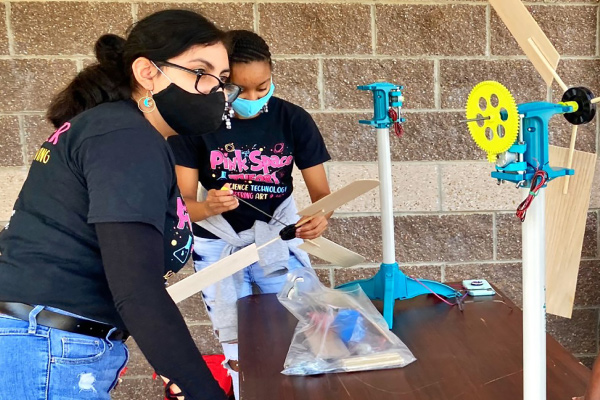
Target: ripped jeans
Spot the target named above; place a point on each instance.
(207, 252)
(41, 363)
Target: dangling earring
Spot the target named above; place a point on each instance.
(265, 108)
(147, 102)
(227, 115)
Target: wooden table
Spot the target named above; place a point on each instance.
(475, 354)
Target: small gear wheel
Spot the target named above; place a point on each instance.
(497, 125)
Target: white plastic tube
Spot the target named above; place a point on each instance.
(534, 299)
(386, 195)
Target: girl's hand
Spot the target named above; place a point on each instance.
(313, 228)
(174, 388)
(219, 201)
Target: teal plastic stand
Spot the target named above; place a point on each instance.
(391, 284)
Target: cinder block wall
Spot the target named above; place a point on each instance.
(452, 221)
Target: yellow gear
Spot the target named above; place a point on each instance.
(500, 127)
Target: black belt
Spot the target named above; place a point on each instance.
(63, 322)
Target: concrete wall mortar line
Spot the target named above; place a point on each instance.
(9, 31)
(495, 236)
(325, 57)
(374, 29)
(420, 57)
(437, 90)
(412, 214)
(598, 31)
(440, 188)
(200, 323)
(597, 137)
(488, 30)
(598, 332)
(417, 162)
(256, 15)
(336, 2)
(370, 110)
(25, 113)
(134, 12)
(598, 233)
(74, 57)
(22, 139)
(321, 84)
(429, 264)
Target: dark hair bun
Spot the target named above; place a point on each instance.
(246, 46)
(109, 51)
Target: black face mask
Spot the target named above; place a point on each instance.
(188, 113)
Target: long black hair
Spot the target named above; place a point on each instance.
(158, 37)
(246, 47)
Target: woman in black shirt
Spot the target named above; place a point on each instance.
(100, 221)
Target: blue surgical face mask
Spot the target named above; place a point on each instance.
(249, 108)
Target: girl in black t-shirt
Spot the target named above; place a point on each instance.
(252, 156)
(100, 221)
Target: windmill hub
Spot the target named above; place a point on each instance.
(585, 110)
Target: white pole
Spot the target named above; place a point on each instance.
(534, 299)
(385, 194)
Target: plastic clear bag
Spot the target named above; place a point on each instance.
(338, 330)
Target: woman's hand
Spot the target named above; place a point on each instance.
(313, 228)
(219, 201)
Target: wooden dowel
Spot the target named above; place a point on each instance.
(547, 64)
(570, 161)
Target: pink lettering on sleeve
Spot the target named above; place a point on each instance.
(182, 214)
(54, 138)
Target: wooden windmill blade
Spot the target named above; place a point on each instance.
(338, 198)
(326, 249)
(329, 251)
(530, 37)
(566, 217)
(213, 273)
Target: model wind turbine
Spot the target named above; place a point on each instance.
(516, 140)
(319, 247)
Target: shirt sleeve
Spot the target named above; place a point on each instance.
(131, 254)
(186, 150)
(129, 175)
(309, 147)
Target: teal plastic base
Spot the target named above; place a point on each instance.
(390, 284)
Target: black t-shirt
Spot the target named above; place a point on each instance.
(256, 157)
(108, 164)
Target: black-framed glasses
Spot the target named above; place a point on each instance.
(206, 80)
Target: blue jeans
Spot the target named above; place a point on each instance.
(37, 362)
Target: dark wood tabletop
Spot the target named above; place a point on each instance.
(475, 354)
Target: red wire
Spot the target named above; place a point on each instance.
(533, 192)
(398, 129)
(437, 295)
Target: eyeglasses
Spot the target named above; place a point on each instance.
(205, 80)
